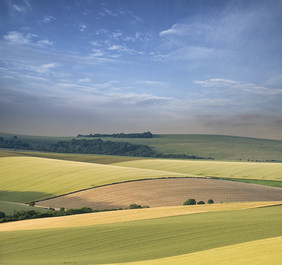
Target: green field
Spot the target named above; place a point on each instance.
(219, 147)
(141, 240)
(149, 237)
(264, 252)
(9, 207)
(89, 158)
(223, 169)
(25, 179)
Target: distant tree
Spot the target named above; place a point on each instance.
(200, 202)
(210, 201)
(2, 215)
(135, 206)
(31, 204)
(190, 202)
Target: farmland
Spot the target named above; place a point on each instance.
(144, 239)
(25, 179)
(164, 192)
(220, 147)
(166, 233)
(247, 170)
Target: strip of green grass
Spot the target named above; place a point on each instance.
(99, 159)
(140, 240)
(271, 183)
(9, 207)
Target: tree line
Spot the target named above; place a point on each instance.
(32, 214)
(120, 135)
(94, 146)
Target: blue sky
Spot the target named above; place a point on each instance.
(167, 66)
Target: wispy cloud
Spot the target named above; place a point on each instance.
(47, 19)
(18, 38)
(19, 7)
(225, 85)
(152, 83)
(84, 80)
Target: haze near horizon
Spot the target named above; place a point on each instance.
(165, 66)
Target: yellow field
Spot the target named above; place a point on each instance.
(249, 170)
(24, 179)
(126, 216)
(259, 252)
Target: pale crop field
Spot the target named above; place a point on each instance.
(143, 240)
(24, 179)
(263, 252)
(248, 170)
(127, 215)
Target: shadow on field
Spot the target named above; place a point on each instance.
(23, 196)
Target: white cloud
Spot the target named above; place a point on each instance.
(45, 42)
(234, 86)
(84, 80)
(48, 19)
(123, 49)
(17, 38)
(190, 53)
(20, 7)
(82, 27)
(152, 83)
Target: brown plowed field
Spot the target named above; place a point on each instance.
(165, 192)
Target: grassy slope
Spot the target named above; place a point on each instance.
(263, 252)
(89, 158)
(24, 179)
(247, 170)
(126, 216)
(217, 146)
(9, 207)
(140, 240)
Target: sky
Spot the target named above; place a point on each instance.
(167, 66)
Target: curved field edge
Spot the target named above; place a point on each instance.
(221, 169)
(163, 192)
(127, 216)
(140, 240)
(263, 252)
(24, 179)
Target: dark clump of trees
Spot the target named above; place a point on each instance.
(190, 202)
(94, 146)
(193, 202)
(120, 135)
(13, 143)
(32, 214)
(137, 206)
(98, 146)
